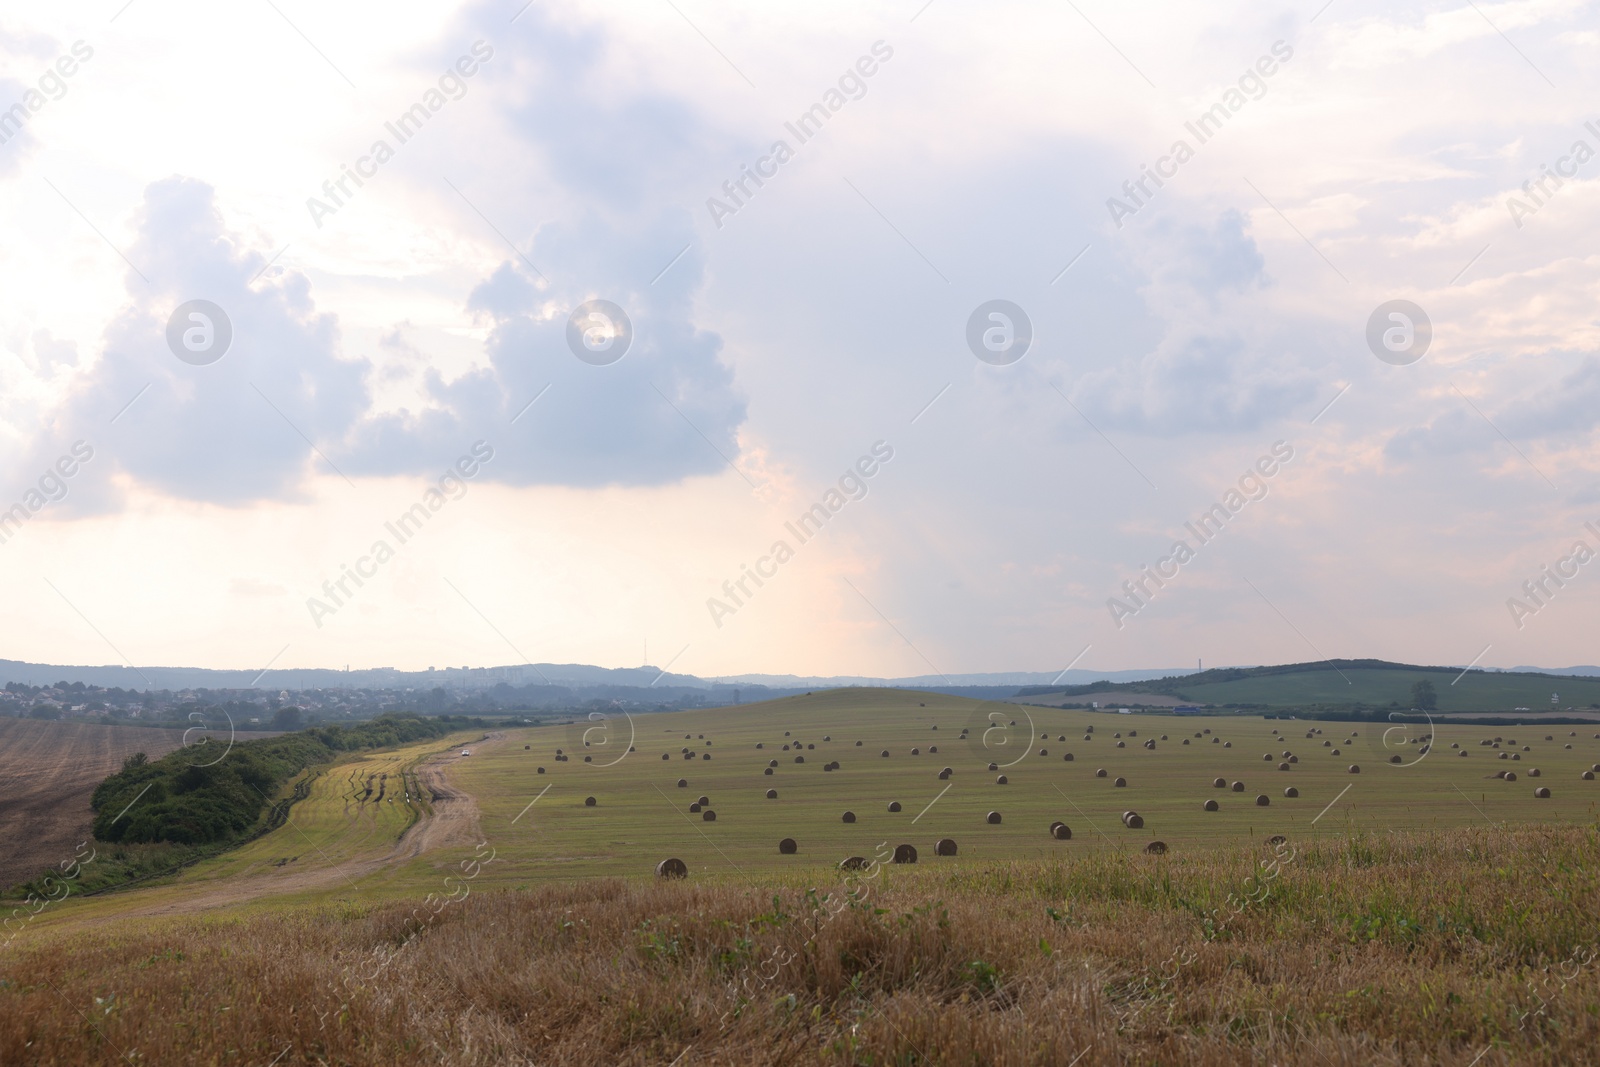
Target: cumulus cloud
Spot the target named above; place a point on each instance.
(236, 430)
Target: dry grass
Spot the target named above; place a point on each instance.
(1444, 948)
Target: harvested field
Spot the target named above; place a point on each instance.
(1448, 948)
(48, 770)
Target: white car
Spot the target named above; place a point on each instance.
(465, 752)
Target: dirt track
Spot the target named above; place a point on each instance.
(454, 822)
(48, 771)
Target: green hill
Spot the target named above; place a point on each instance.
(1350, 685)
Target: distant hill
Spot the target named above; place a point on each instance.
(1368, 683)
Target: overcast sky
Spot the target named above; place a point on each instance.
(1219, 339)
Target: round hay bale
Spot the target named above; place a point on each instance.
(1061, 737)
(1212, 805)
(1291, 792)
(1120, 783)
(944, 847)
(1463, 752)
(708, 815)
(760, 745)
(1156, 848)
(884, 754)
(1283, 766)
(1122, 744)
(916, 752)
(526, 747)
(994, 766)
(558, 751)
(894, 805)
(1116, 735)
(944, 774)
(1596, 768)
(772, 763)
(1335, 752)
(694, 809)
(1002, 780)
(1237, 787)
(1543, 792)
(1275, 840)
(666, 755)
(853, 863)
(589, 802)
(993, 818)
(588, 759)
(1262, 800)
(905, 854)
(1588, 776)
(1266, 756)
(704, 801)
(1294, 759)
(1533, 772)
(1055, 824)
(1134, 821)
(858, 744)
(848, 816)
(1186, 740)
(1219, 783)
(703, 755)
(1151, 744)
(1100, 772)
(1355, 768)
(1511, 776)
(1044, 752)
(541, 770)
(827, 737)
(672, 868)
(1061, 832)
(799, 759)
(683, 783)
(933, 750)
(788, 847)
(1067, 758)
(772, 794)
(1227, 744)
(766, 770)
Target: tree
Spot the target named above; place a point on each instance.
(1423, 696)
(287, 718)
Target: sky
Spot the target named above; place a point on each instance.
(1107, 335)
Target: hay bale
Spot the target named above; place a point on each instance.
(1511, 776)
(1122, 744)
(1100, 772)
(905, 854)
(944, 774)
(827, 737)
(916, 752)
(589, 802)
(766, 770)
(1355, 768)
(993, 818)
(1134, 821)
(772, 794)
(1212, 805)
(1067, 758)
(1061, 832)
(1533, 773)
(1186, 740)
(1291, 792)
(1262, 800)
(1588, 776)
(853, 863)
(1150, 744)
(541, 770)
(944, 847)
(1543, 792)
(666, 755)
(708, 815)
(894, 805)
(772, 763)
(1002, 780)
(1238, 787)
(1275, 840)
(1227, 744)
(703, 755)
(858, 744)
(1283, 766)
(933, 750)
(848, 816)
(683, 783)
(1044, 752)
(1156, 848)
(1266, 756)
(704, 801)
(588, 759)
(1296, 759)
(884, 754)
(994, 766)
(1219, 783)
(1120, 783)
(672, 868)
(694, 809)
(788, 847)
(1055, 824)
(799, 759)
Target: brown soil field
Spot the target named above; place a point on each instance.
(48, 771)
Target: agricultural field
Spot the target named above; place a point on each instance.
(47, 772)
(450, 902)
